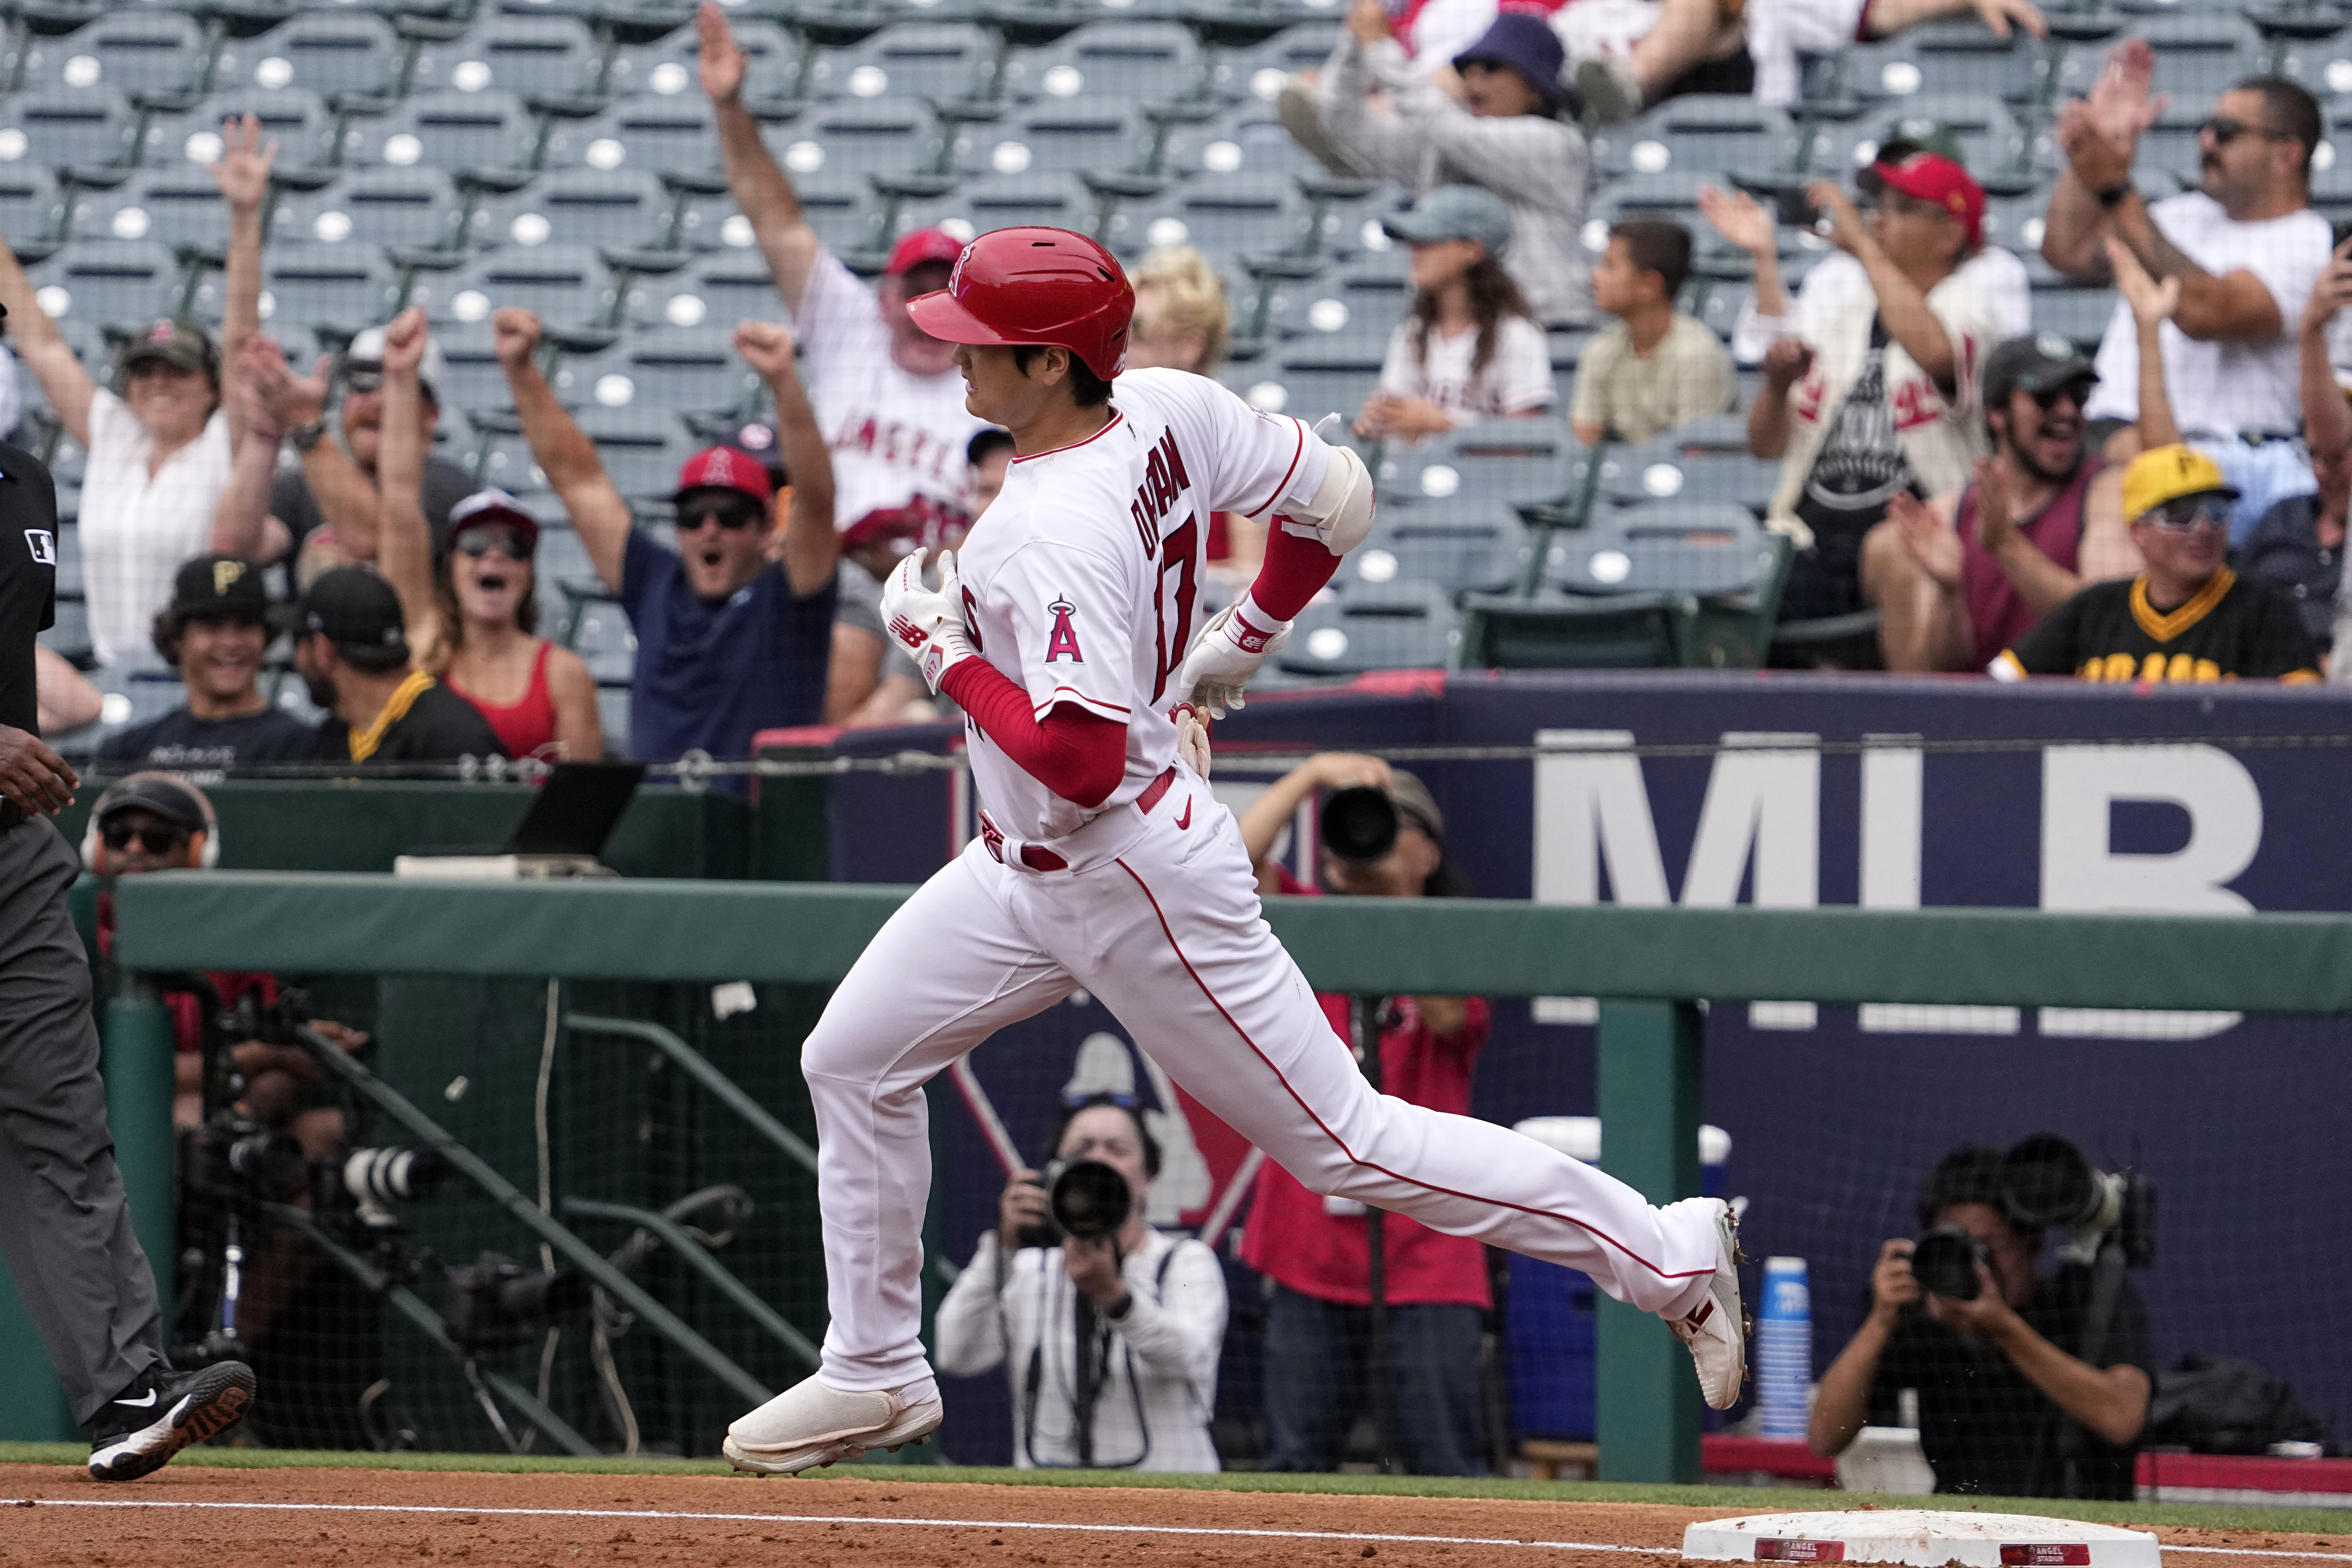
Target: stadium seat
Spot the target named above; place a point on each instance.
(453, 130)
(1714, 133)
(417, 208)
(1059, 200)
(842, 208)
(670, 135)
(68, 126)
(324, 51)
(135, 50)
(1378, 284)
(1553, 630)
(178, 205)
(568, 285)
(296, 118)
(679, 369)
(471, 376)
(2198, 52)
(1240, 213)
(1666, 470)
(671, 67)
(626, 208)
(1985, 130)
(1313, 377)
(1522, 462)
(1256, 73)
(939, 62)
(1479, 547)
(1672, 194)
(1699, 548)
(1249, 140)
(718, 289)
(1397, 624)
(643, 448)
(1962, 57)
(103, 281)
(1069, 135)
(345, 287)
(1139, 61)
(530, 57)
(2080, 315)
(888, 136)
(31, 206)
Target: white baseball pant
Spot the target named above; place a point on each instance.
(1158, 916)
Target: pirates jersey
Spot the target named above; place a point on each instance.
(2229, 629)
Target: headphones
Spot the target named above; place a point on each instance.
(203, 843)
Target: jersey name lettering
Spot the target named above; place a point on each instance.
(1164, 481)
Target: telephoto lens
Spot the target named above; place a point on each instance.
(1360, 823)
(1944, 1260)
(1090, 1200)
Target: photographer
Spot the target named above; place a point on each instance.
(1146, 1310)
(1314, 1252)
(2004, 1400)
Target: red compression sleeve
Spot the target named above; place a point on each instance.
(1078, 755)
(1294, 571)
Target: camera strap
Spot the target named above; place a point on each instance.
(1082, 1400)
(2098, 1317)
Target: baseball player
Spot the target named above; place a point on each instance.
(1105, 862)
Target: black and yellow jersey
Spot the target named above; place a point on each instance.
(2229, 629)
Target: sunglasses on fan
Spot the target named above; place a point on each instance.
(155, 837)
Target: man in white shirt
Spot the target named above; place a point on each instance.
(887, 393)
(2245, 246)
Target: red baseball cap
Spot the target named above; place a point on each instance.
(1932, 177)
(725, 469)
(923, 245)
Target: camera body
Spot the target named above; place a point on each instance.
(1084, 1198)
(1944, 1259)
(233, 1159)
(2047, 1183)
(496, 1302)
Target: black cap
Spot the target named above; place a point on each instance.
(758, 441)
(351, 607)
(220, 585)
(2039, 362)
(175, 800)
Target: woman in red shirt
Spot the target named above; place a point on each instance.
(1312, 1248)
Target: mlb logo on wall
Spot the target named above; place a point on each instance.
(43, 546)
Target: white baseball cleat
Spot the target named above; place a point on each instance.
(811, 1424)
(1716, 1332)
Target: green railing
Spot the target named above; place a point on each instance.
(1653, 966)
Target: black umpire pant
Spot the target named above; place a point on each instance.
(65, 1224)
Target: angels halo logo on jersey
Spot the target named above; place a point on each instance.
(1063, 640)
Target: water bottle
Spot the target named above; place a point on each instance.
(1784, 1349)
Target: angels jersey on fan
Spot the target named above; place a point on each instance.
(1081, 583)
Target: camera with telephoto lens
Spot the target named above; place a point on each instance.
(496, 1302)
(233, 1157)
(369, 1182)
(2047, 1183)
(1360, 823)
(1084, 1198)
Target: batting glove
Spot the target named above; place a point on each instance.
(1226, 654)
(927, 622)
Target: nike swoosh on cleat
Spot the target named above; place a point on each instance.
(146, 1404)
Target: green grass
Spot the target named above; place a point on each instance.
(1729, 1499)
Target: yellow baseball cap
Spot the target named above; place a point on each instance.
(2167, 474)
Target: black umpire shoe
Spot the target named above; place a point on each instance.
(142, 1427)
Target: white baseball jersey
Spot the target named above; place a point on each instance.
(1081, 582)
(893, 436)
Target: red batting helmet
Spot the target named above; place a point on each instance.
(1014, 286)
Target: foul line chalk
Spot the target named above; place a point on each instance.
(976, 1524)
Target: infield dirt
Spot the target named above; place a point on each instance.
(52, 1519)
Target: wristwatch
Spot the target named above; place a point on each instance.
(306, 437)
(2112, 197)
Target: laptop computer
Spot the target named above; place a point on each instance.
(561, 834)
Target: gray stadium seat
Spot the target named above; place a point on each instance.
(417, 208)
(664, 135)
(1075, 135)
(1715, 133)
(453, 130)
(31, 207)
(1946, 57)
(1140, 61)
(1700, 548)
(671, 67)
(176, 206)
(878, 136)
(1397, 624)
(103, 281)
(325, 51)
(719, 291)
(643, 448)
(627, 208)
(1988, 133)
(531, 56)
(1057, 200)
(1664, 470)
(1524, 462)
(1248, 141)
(137, 49)
(1312, 376)
(63, 127)
(1255, 73)
(2198, 52)
(679, 369)
(1244, 214)
(942, 62)
(1478, 547)
(1560, 631)
(1672, 194)
(472, 377)
(296, 118)
(344, 287)
(2081, 314)
(568, 285)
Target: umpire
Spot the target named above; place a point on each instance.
(65, 1226)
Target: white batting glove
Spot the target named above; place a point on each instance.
(927, 622)
(1191, 739)
(1228, 651)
